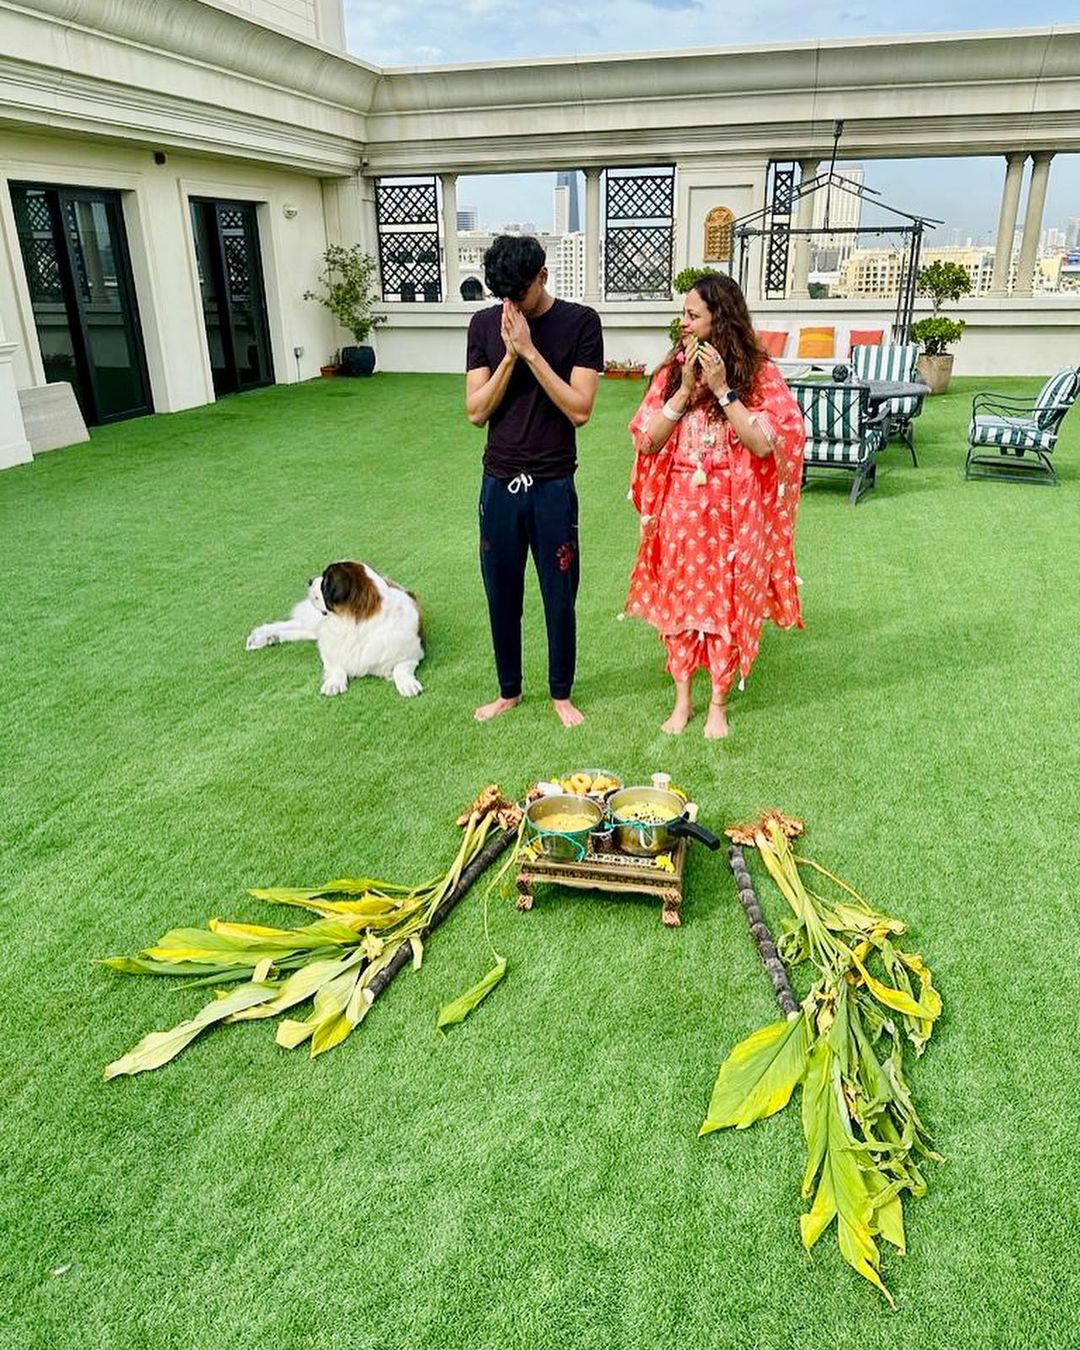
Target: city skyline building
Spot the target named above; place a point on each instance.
(567, 181)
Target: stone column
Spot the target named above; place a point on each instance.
(1029, 245)
(804, 218)
(1010, 200)
(592, 237)
(450, 236)
(14, 447)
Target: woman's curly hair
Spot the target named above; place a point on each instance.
(732, 334)
(512, 264)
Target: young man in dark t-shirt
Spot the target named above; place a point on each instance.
(533, 365)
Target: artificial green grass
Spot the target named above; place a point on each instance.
(534, 1178)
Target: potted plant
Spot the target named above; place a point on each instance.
(941, 281)
(349, 293)
(332, 367)
(624, 370)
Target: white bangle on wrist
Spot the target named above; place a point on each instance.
(670, 412)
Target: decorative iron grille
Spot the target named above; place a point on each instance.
(408, 222)
(776, 257)
(237, 268)
(43, 271)
(639, 235)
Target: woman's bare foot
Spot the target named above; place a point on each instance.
(716, 726)
(678, 719)
(569, 716)
(490, 710)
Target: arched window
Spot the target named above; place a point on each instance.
(472, 288)
(718, 235)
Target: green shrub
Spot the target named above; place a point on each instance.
(686, 278)
(934, 334)
(943, 281)
(349, 291)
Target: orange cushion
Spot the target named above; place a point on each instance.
(866, 337)
(816, 342)
(772, 341)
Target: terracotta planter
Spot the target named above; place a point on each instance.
(619, 373)
(328, 372)
(936, 371)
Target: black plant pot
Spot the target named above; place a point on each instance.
(357, 360)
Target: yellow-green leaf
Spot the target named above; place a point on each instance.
(161, 1046)
(457, 1010)
(300, 985)
(896, 998)
(759, 1076)
(843, 1190)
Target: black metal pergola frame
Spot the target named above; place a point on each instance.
(779, 231)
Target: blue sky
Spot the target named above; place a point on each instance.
(965, 193)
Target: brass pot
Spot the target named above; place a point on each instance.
(564, 846)
(645, 838)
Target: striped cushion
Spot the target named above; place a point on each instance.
(907, 406)
(835, 452)
(895, 362)
(1019, 433)
(831, 413)
(1059, 391)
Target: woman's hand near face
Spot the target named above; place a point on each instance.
(713, 368)
(691, 371)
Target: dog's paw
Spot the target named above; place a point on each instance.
(408, 686)
(334, 684)
(260, 637)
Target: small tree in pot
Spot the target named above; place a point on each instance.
(349, 293)
(941, 281)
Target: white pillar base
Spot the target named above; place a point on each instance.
(14, 447)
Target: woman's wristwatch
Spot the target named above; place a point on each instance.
(730, 397)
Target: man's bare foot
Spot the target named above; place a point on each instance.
(569, 716)
(490, 710)
(678, 719)
(716, 726)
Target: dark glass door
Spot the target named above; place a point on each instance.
(83, 296)
(233, 299)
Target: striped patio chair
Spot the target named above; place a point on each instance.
(1013, 438)
(894, 362)
(840, 434)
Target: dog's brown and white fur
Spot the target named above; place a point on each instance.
(363, 623)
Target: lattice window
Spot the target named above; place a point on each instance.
(237, 267)
(718, 224)
(776, 256)
(43, 271)
(408, 220)
(37, 213)
(639, 238)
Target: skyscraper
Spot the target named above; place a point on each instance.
(568, 180)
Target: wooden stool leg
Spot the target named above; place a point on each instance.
(671, 913)
(525, 895)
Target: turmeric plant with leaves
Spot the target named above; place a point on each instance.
(845, 1047)
(364, 927)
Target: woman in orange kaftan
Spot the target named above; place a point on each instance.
(719, 440)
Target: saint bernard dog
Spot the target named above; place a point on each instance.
(363, 623)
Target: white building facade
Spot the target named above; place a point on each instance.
(163, 212)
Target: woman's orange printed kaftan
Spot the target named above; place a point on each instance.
(716, 557)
